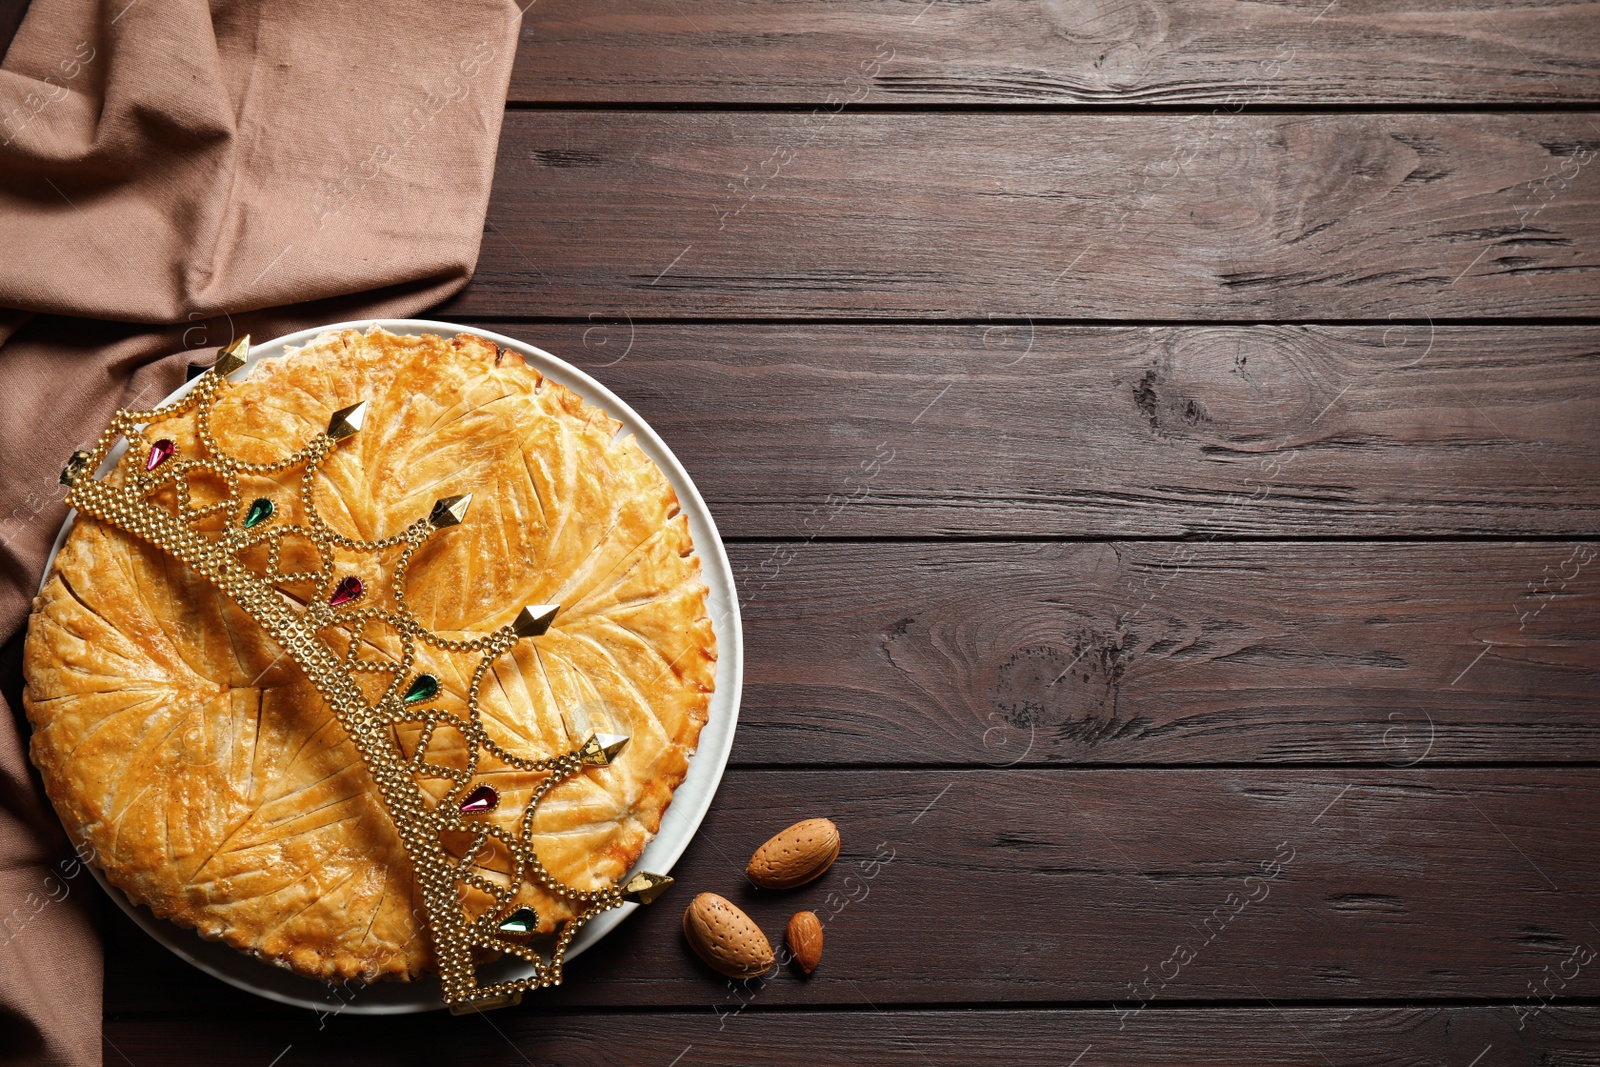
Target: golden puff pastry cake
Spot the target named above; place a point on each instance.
(215, 785)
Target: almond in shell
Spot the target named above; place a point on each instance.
(805, 940)
(726, 938)
(795, 856)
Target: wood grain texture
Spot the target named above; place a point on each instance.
(1008, 51)
(1256, 1037)
(997, 430)
(1025, 886)
(1132, 217)
(1169, 653)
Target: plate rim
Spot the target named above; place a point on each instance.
(689, 802)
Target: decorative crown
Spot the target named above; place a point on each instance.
(442, 838)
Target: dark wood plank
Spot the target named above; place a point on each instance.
(1008, 51)
(1169, 653)
(1175, 217)
(806, 431)
(1261, 1037)
(1025, 886)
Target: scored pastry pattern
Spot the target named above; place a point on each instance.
(451, 852)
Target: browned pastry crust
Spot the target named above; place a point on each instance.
(212, 782)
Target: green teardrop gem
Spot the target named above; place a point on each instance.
(521, 922)
(424, 687)
(260, 511)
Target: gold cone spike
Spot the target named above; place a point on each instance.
(600, 749)
(233, 357)
(75, 466)
(534, 620)
(449, 511)
(644, 887)
(347, 421)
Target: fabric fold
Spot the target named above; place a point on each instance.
(175, 174)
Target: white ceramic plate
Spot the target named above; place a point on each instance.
(689, 803)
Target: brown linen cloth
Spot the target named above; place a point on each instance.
(187, 172)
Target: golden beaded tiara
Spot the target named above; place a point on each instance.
(442, 839)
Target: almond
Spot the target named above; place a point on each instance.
(805, 940)
(726, 938)
(796, 855)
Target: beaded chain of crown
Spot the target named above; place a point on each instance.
(442, 836)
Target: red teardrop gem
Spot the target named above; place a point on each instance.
(159, 453)
(349, 589)
(483, 798)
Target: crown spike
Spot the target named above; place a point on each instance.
(449, 511)
(534, 619)
(600, 750)
(76, 465)
(232, 357)
(347, 421)
(644, 887)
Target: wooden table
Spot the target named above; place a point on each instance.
(1157, 443)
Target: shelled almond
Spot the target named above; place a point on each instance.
(805, 940)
